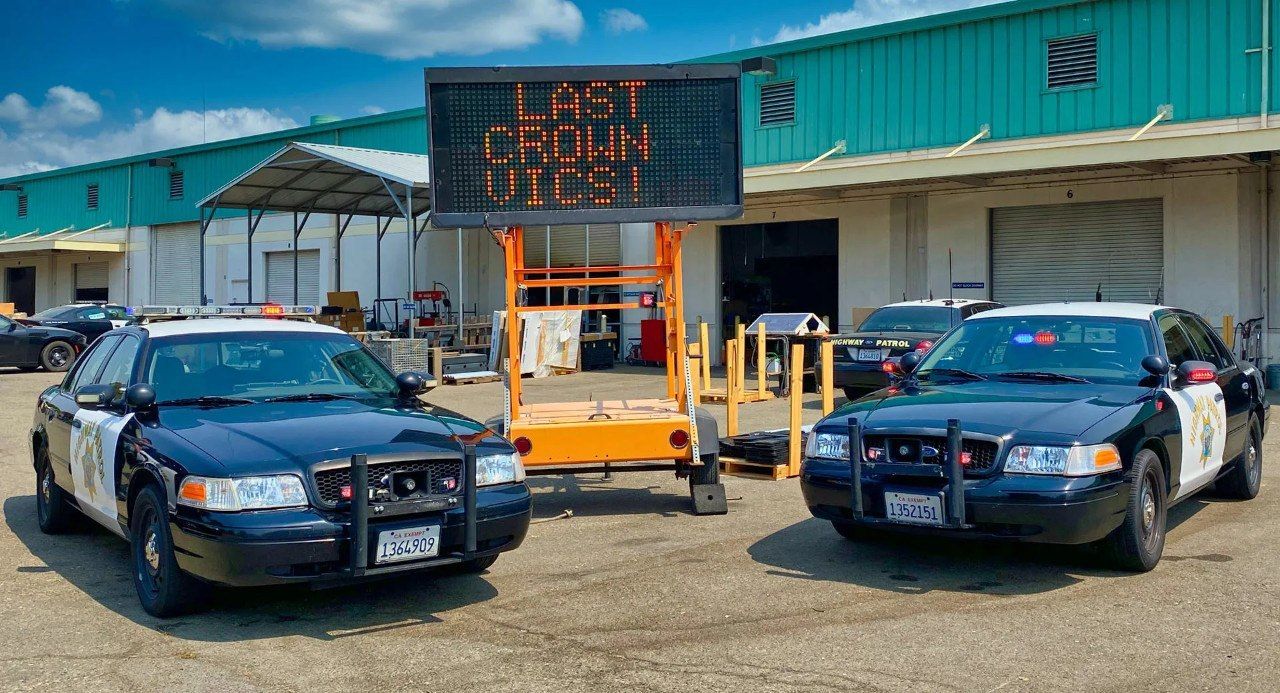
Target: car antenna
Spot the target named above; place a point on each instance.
(1097, 296)
(1160, 288)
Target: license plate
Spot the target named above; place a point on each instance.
(396, 545)
(913, 508)
(870, 355)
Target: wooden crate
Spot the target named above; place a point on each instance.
(735, 466)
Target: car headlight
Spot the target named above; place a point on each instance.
(830, 446)
(499, 469)
(242, 493)
(1077, 460)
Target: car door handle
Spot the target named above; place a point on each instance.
(1217, 397)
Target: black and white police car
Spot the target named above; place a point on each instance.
(864, 360)
(1063, 423)
(253, 451)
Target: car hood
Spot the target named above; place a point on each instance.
(291, 436)
(995, 408)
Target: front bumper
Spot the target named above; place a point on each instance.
(1055, 510)
(311, 545)
(859, 375)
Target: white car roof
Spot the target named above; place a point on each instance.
(170, 328)
(939, 302)
(1091, 309)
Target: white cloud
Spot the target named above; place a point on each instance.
(63, 107)
(870, 12)
(372, 110)
(400, 29)
(33, 150)
(620, 20)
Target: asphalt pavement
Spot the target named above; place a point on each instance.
(632, 593)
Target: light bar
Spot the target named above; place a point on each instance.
(270, 311)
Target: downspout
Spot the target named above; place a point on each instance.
(1266, 61)
(128, 234)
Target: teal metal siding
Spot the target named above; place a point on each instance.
(56, 199)
(928, 82)
(937, 85)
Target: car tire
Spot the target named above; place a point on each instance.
(708, 473)
(851, 393)
(57, 356)
(53, 510)
(853, 531)
(1245, 478)
(163, 588)
(1137, 544)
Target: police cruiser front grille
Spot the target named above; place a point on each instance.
(443, 477)
(982, 454)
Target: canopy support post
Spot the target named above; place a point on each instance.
(251, 223)
(461, 296)
(337, 249)
(204, 228)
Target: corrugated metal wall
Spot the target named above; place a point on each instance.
(915, 84)
(935, 87)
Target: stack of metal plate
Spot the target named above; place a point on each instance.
(766, 447)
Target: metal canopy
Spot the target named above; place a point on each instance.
(305, 178)
(328, 179)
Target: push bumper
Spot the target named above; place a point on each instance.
(309, 545)
(1005, 507)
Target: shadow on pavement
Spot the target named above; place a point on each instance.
(97, 563)
(588, 495)
(917, 564)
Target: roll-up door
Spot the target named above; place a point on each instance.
(570, 247)
(175, 255)
(280, 277)
(1050, 253)
(91, 281)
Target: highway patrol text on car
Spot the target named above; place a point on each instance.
(230, 451)
(1063, 423)
(860, 358)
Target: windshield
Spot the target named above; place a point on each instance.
(1042, 348)
(263, 365)
(911, 319)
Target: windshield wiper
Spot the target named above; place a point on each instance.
(1041, 375)
(310, 397)
(205, 401)
(953, 372)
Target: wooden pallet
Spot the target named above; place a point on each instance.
(735, 466)
(472, 378)
(719, 396)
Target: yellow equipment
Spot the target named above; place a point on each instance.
(625, 434)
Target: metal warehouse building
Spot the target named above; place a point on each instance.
(1036, 150)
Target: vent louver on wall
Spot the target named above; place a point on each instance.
(778, 103)
(91, 196)
(175, 185)
(22, 206)
(1073, 61)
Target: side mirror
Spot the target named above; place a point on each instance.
(1155, 365)
(95, 397)
(140, 396)
(1195, 372)
(411, 383)
(908, 362)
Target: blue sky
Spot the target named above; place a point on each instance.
(86, 80)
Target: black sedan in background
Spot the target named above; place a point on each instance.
(91, 320)
(30, 347)
(860, 358)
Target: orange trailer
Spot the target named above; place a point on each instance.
(625, 434)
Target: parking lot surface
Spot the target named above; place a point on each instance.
(634, 593)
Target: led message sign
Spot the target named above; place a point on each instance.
(579, 145)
